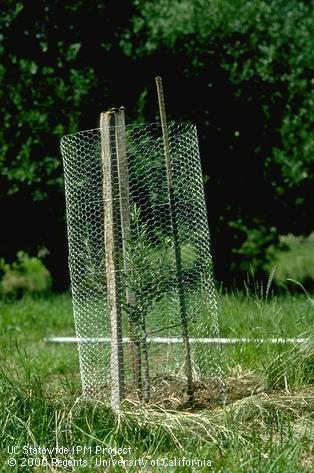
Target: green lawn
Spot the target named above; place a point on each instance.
(264, 426)
(296, 262)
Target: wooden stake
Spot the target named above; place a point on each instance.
(123, 172)
(176, 242)
(111, 240)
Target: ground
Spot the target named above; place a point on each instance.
(263, 423)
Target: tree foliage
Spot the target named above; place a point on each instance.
(54, 79)
(241, 70)
(247, 67)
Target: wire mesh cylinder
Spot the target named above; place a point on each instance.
(146, 264)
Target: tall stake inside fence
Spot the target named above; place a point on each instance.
(176, 242)
(112, 239)
(124, 191)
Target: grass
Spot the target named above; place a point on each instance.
(266, 424)
(296, 262)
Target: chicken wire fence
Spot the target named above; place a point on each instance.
(140, 261)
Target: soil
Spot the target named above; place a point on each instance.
(169, 392)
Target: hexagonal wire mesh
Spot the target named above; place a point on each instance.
(139, 273)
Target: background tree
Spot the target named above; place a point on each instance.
(241, 70)
(54, 79)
